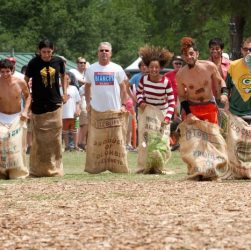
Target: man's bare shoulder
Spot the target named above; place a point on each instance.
(21, 82)
(205, 63)
(181, 72)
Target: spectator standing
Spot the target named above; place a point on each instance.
(45, 70)
(71, 112)
(83, 120)
(80, 71)
(177, 63)
(134, 80)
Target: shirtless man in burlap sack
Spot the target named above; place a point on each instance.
(194, 87)
(12, 123)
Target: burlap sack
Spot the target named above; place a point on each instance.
(203, 149)
(154, 141)
(223, 122)
(239, 147)
(46, 150)
(106, 142)
(12, 150)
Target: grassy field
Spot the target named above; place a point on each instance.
(74, 168)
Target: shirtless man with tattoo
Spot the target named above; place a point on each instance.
(194, 85)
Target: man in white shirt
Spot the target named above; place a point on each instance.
(105, 87)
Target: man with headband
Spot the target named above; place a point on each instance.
(194, 85)
(239, 83)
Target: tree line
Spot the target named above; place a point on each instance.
(78, 26)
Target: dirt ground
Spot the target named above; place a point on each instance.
(124, 214)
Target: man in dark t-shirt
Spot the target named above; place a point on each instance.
(46, 70)
(45, 83)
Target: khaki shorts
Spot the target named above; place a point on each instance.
(83, 118)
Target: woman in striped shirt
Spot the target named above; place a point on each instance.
(154, 88)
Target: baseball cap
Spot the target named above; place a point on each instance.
(11, 59)
(178, 58)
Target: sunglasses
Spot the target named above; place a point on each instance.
(178, 63)
(104, 50)
(82, 62)
(247, 49)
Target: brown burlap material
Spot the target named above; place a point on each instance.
(239, 147)
(106, 142)
(154, 141)
(223, 122)
(12, 150)
(46, 150)
(203, 149)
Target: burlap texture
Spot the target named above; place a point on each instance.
(154, 141)
(239, 147)
(223, 122)
(106, 142)
(46, 150)
(203, 149)
(12, 150)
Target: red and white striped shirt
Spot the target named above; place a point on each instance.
(159, 94)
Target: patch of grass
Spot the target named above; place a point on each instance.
(74, 163)
(74, 169)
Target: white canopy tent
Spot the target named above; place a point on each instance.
(134, 67)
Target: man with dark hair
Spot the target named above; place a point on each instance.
(195, 81)
(216, 47)
(45, 70)
(12, 88)
(239, 83)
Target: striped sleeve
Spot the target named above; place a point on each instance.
(139, 92)
(170, 100)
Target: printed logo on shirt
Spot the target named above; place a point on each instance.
(104, 78)
(48, 76)
(244, 87)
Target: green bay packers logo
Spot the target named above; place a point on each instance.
(244, 86)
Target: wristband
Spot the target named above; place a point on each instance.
(185, 106)
(224, 91)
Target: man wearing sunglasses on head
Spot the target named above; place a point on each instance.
(239, 83)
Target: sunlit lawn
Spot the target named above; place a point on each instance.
(74, 168)
(74, 163)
